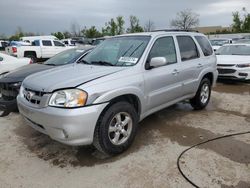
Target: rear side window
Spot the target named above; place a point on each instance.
(204, 44)
(47, 43)
(188, 49)
(56, 43)
(164, 47)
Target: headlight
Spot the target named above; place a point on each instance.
(243, 65)
(68, 98)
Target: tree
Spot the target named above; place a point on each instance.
(92, 32)
(134, 25)
(149, 26)
(75, 29)
(67, 34)
(236, 22)
(241, 23)
(58, 35)
(120, 25)
(185, 19)
(114, 27)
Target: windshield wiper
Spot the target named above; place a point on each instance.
(83, 61)
(102, 63)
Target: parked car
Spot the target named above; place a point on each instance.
(30, 39)
(123, 80)
(246, 41)
(3, 44)
(41, 49)
(11, 82)
(69, 42)
(218, 42)
(9, 63)
(233, 61)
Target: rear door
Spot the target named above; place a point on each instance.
(162, 84)
(47, 48)
(59, 47)
(190, 64)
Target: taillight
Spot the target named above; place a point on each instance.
(31, 61)
(14, 49)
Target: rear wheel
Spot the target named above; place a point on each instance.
(116, 128)
(202, 96)
(32, 57)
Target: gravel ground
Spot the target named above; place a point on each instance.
(31, 159)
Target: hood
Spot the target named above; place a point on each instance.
(232, 59)
(18, 75)
(67, 76)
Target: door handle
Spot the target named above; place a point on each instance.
(175, 71)
(199, 65)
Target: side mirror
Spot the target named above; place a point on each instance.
(158, 62)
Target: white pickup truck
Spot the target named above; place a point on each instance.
(40, 49)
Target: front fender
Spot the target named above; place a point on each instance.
(108, 96)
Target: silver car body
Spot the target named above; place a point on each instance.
(155, 89)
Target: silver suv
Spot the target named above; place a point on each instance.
(101, 99)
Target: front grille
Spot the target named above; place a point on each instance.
(33, 96)
(8, 91)
(226, 65)
(226, 71)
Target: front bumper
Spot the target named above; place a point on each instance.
(68, 126)
(10, 106)
(234, 73)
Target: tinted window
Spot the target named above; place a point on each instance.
(47, 43)
(56, 43)
(205, 46)
(187, 47)
(1, 59)
(164, 47)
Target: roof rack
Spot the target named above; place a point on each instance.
(176, 30)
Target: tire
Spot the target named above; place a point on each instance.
(202, 96)
(113, 136)
(4, 113)
(32, 57)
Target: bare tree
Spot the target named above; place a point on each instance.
(185, 19)
(149, 26)
(75, 29)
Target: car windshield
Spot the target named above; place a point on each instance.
(234, 50)
(219, 42)
(97, 42)
(65, 57)
(118, 51)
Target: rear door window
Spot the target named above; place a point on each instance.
(188, 48)
(56, 43)
(205, 45)
(47, 43)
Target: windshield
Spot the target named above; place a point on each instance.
(97, 42)
(219, 42)
(65, 57)
(118, 51)
(234, 50)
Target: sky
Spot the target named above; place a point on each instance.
(46, 16)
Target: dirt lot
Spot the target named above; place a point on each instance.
(31, 159)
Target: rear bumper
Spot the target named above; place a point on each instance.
(68, 126)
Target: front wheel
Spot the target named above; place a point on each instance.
(202, 96)
(116, 128)
(4, 113)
